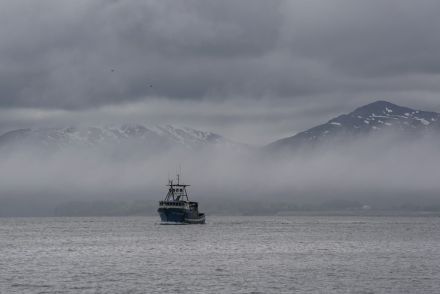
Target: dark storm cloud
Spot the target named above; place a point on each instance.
(60, 54)
(80, 54)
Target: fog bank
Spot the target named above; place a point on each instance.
(377, 172)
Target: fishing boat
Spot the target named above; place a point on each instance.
(176, 207)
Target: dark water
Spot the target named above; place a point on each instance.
(227, 255)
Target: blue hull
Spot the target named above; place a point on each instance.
(176, 215)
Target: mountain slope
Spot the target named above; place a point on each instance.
(156, 138)
(374, 117)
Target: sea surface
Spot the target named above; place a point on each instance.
(291, 254)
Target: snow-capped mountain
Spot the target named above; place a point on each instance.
(374, 117)
(155, 138)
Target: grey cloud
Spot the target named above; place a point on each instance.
(368, 37)
(64, 57)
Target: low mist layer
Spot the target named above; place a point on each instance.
(380, 171)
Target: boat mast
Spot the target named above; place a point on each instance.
(176, 192)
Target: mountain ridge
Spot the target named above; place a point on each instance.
(157, 137)
(372, 117)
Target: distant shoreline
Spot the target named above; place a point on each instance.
(317, 213)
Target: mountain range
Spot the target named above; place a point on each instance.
(371, 118)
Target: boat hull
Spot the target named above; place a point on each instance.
(172, 215)
(179, 216)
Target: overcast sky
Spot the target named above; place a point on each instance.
(253, 71)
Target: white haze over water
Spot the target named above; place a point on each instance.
(380, 171)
